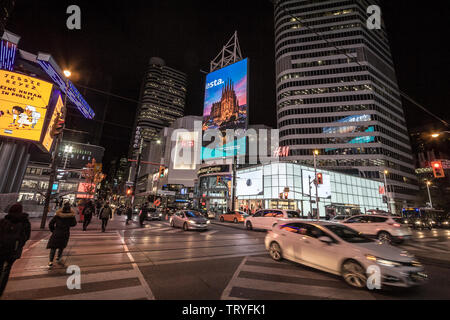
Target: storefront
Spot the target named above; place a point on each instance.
(290, 186)
(214, 188)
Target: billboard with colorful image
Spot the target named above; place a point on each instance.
(23, 105)
(226, 107)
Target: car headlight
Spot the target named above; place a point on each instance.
(160, 214)
(208, 222)
(383, 262)
(191, 221)
(432, 221)
(418, 222)
(445, 222)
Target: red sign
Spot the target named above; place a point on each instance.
(381, 190)
(281, 152)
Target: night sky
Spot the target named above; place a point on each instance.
(112, 49)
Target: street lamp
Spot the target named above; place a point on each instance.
(428, 183)
(54, 164)
(438, 134)
(316, 153)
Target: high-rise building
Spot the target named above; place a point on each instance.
(162, 99)
(6, 8)
(337, 92)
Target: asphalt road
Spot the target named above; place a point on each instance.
(225, 262)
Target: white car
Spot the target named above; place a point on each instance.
(267, 218)
(337, 249)
(383, 227)
(189, 219)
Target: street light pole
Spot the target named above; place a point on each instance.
(429, 194)
(54, 164)
(136, 174)
(316, 152)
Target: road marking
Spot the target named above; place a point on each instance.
(130, 293)
(226, 293)
(142, 280)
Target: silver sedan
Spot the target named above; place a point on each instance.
(189, 219)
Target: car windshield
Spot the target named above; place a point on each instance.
(293, 214)
(347, 234)
(192, 214)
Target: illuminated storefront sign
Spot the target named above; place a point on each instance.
(214, 169)
(23, 105)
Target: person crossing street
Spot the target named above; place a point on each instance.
(144, 214)
(129, 213)
(105, 215)
(88, 211)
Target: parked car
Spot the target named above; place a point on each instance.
(236, 216)
(189, 219)
(385, 228)
(266, 218)
(340, 250)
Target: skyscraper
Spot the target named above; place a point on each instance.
(162, 100)
(337, 92)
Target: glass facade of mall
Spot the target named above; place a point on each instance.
(341, 192)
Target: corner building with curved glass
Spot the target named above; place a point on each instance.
(340, 95)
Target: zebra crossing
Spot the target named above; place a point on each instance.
(261, 278)
(113, 275)
(164, 227)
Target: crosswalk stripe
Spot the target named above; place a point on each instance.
(50, 282)
(130, 293)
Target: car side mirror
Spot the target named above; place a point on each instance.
(326, 239)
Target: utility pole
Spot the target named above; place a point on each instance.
(388, 198)
(233, 191)
(310, 196)
(429, 194)
(54, 164)
(316, 152)
(136, 174)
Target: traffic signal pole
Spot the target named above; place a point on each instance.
(54, 164)
(136, 174)
(316, 183)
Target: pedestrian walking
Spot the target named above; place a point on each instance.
(129, 213)
(105, 214)
(144, 214)
(15, 230)
(88, 212)
(60, 226)
(99, 206)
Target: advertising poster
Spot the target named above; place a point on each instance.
(185, 153)
(250, 183)
(47, 141)
(225, 108)
(23, 105)
(324, 190)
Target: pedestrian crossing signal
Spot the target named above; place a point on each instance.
(319, 178)
(438, 170)
(58, 127)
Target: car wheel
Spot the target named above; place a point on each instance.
(185, 227)
(275, 251)
(221, 219)
(384, 237)
(249, 225)
(235, 220)
(354, 275)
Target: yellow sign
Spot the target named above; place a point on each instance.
(23, 105)
(48, 139)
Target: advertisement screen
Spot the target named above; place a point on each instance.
(226, 107)
(48, 140)
(23, 105)
(185, 155)
(250, 183)
(324, 190)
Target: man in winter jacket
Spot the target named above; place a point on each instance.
(60, 226)
(88, 211)
(15, 230)
(129, 213)
(105, 214)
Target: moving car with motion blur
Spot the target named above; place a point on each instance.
(236, 216)
(382, 227)
(340, 250)
(266, 218)
(189, 220)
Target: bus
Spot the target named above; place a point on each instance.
(423, 218)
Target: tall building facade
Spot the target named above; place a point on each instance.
(340, 95)
(162, 100)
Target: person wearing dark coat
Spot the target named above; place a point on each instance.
(60, 226)
(144, 214)
(105, 214)
(88, 211)
(129, 213)
(17, 222)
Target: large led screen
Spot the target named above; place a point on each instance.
(226, 107)
(324, 190)
(23, 105)
(249, 183)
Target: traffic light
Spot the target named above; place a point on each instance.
(58, 126)
(161, 171)
(319, 178)
(438, 170)
(129, 191)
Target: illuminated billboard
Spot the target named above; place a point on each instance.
(226, 107)
(23, 105)
(324, 189)
(250, 183)
(47, 141)
(185, 155)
